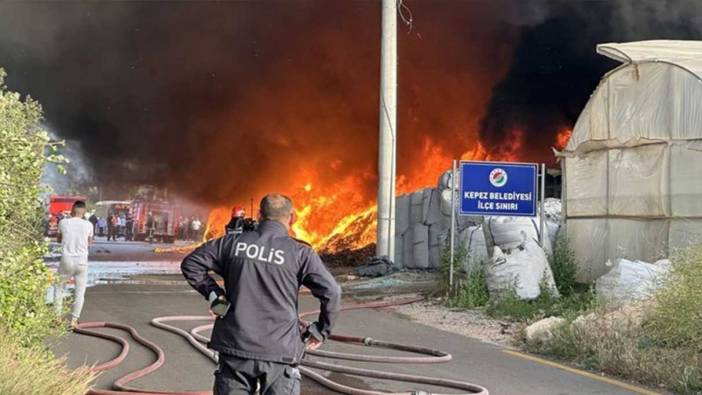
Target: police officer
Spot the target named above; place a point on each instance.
(256, 331)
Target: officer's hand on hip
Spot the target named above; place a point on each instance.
(219, 305)
(312, 344)
(311, 336)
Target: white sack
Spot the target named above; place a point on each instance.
(553, 215)
(631, 280)
(522, 270)
(473, 240)
(512, 232)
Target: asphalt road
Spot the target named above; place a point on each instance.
(133, 251)
(491, 366)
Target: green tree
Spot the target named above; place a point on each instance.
(24, 149)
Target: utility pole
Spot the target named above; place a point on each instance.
(388, 131)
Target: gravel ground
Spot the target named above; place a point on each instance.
(471, 323)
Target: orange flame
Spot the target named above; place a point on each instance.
(562, 138)
(336, 216)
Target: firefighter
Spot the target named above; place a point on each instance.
(150, 227)
(256, 331)
(236, 223)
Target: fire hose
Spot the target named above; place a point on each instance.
(197, 340)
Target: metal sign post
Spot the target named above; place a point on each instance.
(498, 189)
(454, 179)
(495, 189)
(542, 196)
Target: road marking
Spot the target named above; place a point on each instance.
(617, 383)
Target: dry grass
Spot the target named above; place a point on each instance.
(658, 342)
(35, 371)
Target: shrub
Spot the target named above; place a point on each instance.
(564, 267)
(615, 342)
(472, 292)
(23, 276)
(33, 370)
(509, 305)
(658, 341)
(459, 259)
(469, 288)
(677, 307)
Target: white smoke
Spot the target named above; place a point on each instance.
(78, 178)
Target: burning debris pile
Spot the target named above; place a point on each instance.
(349, 257)
(291, 105)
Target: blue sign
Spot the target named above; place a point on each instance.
(498, 188)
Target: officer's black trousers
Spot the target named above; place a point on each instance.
(236, 376)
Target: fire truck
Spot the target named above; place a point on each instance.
(154, 220)
(59, 207)
(104, 208)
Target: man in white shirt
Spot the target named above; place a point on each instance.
(195, 226)
(75, 236)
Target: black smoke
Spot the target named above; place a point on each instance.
(555, 67)
(223, 100)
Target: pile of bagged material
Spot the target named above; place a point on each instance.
(552, 219)
(511, 232)
(629, 281)
(422, 223)
(506, 246)
(523, 270)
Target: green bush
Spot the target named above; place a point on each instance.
(658, 341)
(564, 267)
(676, 318)
(24, 278)
(460, 257)
(471, 292)
(34, 371)
(469, 288)
(615, 342)
(510, 306)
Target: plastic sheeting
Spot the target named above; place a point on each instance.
(586, 184)
(638, 181)
(633, 165)
(631, 280)
(648, 101)
(685, 185)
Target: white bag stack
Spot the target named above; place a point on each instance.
(509, 233)
(631, 280)
(552, 212)
(472, 239)
(521, 269)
